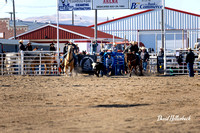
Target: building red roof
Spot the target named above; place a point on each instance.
(49, 31)
(168, 8)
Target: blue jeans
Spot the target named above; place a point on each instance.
(144, 65)
(191, 70)
(109, 68)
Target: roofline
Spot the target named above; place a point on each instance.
(51, 26)
(30, 31)
(121, 18)
(172, 9)
(177, 10)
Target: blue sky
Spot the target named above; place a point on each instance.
(45, 10)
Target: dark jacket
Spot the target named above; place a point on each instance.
(190, 57)
(144, 56)
(22, 47)
(29, 48)
(65, 49)
(131, 48)
(52, 49)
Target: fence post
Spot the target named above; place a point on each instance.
(2, 64)
(40, 69)
(22, 62)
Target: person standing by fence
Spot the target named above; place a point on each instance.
(145, 57)
(29, 47)
(190, 62)
(21, 46)
(52, 48)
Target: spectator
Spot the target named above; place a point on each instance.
(109, 64)
(52, 48)
(114, 48)
(21, 46)
(190, 62)
(94, 47)
(161, 52)
(29, 47)
(145, 57)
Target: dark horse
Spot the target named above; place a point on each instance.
(133, 62)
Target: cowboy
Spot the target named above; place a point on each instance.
(94, 47)
(109, 64)
(114, 48)
(161, 52)
(65, 49)
(74, 49)
(145, 57)
(29, 47)
(21, 46)
(132, 47)
(52, 48)
(190, 62)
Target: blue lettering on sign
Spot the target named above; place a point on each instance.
(134, 6)
(146, 6)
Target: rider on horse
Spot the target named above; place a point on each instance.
(133, 48)
(65, 50)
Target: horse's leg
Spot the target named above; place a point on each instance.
(131, 70)
(49, 68)
(71, 67)
(45, 69)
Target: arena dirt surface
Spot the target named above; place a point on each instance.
(98, 105)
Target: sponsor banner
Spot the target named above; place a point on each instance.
(110, 4)
(69, 5)
(146, 4)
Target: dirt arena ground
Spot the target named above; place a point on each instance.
(99, 105)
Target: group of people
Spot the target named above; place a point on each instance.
(28, 47)
(139, 53)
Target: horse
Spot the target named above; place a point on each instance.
(68, 60)
(48, 60)
(133, 62)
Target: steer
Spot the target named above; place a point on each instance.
(98, 68)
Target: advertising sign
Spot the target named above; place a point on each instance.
(146, 4)
(69, 5)
(110, 4)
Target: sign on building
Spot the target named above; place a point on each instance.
(70, 5)
(110, 4)
(146, 4)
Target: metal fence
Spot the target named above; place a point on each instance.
(47, 63)
(29, 63)
(173, 67)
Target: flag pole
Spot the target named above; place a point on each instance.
(164, 36)
(57, 19)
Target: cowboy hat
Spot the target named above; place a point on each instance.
(21, 41)
(142, 48)
(132, 42)
(29, 43)
(189, 48)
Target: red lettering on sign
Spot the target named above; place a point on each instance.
(110, 1)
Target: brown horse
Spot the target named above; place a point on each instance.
(48, 61)
(133, 62)
(69, 60)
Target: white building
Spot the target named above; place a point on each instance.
(182, 28)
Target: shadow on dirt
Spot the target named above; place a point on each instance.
(119, 105)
